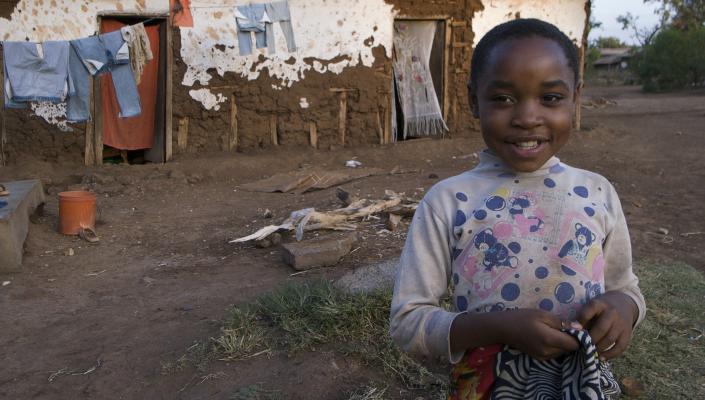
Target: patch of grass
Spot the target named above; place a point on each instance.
(300, 317)
(667, 353)
(197, 355)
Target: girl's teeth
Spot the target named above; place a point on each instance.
(528, 145)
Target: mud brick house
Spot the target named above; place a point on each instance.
(336, 88)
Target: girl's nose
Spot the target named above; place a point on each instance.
(527, 116)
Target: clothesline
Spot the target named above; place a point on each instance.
(148, 20)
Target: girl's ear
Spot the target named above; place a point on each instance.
(473, 102)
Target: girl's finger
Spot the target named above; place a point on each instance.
(619, 347)
(601, 327)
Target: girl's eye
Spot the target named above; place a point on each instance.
(503, 99)
(552, 98)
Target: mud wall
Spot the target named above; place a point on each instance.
(341, 44)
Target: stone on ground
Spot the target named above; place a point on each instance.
(324, 251)
(369, 278)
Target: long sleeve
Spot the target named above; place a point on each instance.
(617, 251)
(419, 324)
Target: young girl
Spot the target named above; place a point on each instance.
(536, 253)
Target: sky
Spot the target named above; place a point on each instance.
(607, 11)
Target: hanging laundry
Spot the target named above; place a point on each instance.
(279, 12)
(413, 42)
(251, 18)
(181, 13)
(102, 54)
(138, 43)
(35, 72)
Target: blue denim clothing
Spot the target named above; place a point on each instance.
(251, 18)
(101, 54)
(30, 76)
(279, 12)
(77, 104)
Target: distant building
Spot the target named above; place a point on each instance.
(613, 64)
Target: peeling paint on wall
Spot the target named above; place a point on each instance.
(208, 99)
(568, 15)
(324, 30)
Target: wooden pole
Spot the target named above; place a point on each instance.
(98, 120)
(182, 138)
(3, 131)
(89, 148)
(233, 139)
(273, 129)
(168, 109)
(343, 116)
(313, 134)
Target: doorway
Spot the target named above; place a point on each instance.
(419, 78)
(146, 137)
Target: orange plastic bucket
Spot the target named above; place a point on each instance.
(76, 211)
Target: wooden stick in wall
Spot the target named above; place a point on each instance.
(273, 129)
(313, 134)
(343, 112)
(233, 138)
(343, 116)
(380, 130)
(388, 119)
(182, 138)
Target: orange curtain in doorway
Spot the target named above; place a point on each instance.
(134, 133)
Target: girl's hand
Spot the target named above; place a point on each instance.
(538, 333)
(610, 319)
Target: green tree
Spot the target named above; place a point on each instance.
(681, 14)
(608, 42)
(674, 60)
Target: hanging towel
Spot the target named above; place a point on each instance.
(138, 44)
(413, 41)
(34, 76)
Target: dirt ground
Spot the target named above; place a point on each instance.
(164, 276)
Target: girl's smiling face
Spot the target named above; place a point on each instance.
(525, 100)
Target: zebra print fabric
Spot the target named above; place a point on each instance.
(576, 376)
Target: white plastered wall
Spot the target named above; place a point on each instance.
(568, 15)
(331, 34)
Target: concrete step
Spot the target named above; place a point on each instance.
(15, 209)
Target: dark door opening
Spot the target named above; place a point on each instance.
(142, 138)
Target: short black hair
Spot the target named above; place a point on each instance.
(519, 29)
